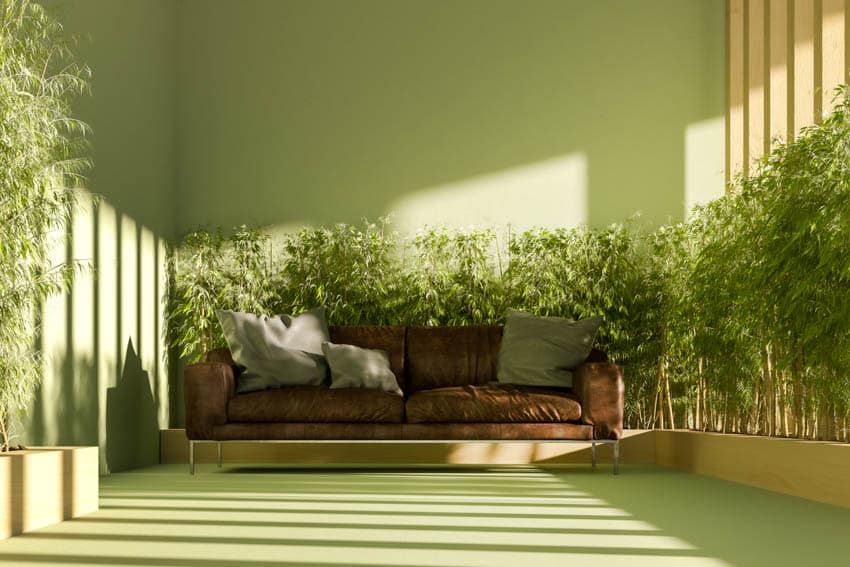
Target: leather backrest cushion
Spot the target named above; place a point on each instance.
(392, 339)
(387, 338)
(438, 357)
(597, 355)
(223, 354)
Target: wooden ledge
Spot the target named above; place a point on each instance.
(45, 485)
(815, 470)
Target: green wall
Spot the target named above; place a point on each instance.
(105, 365)
(130, 46)
(293, 112)
(316, 111)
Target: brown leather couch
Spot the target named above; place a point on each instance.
(448, 375)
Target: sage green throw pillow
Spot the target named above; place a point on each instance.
(277, 351)
(357, 367)
(542, 351)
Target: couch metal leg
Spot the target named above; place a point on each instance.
(617, 457)
(191, 457)
(219, 454)
(593, 454)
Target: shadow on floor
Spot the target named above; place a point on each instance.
(739, 524)
(437, 516)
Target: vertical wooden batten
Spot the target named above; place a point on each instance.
(757, 81)
(778, 82)
(817, 60)
(735, 55)
(804, 64)
(833, 13)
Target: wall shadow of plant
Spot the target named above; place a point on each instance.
(131, 419)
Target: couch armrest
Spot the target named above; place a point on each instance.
(207, 387)
(600, 390)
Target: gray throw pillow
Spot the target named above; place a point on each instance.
(541, 351)
(356, 367)
(277, 351)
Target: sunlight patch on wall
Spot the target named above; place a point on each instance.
(704, 162)
(161, 336)
(54, 331)
(129, 284)
(79, 372)
(550, 193)
(278, 233)
(105, 361)
(109, 367)
(148, 323)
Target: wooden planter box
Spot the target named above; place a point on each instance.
(45, 485)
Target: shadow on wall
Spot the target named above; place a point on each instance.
(132, 431)
(105, 363)
(76, 420)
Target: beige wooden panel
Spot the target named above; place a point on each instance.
(45, 486)
(808, 469)
(833, 64)
(778, 83)
(6, 499)
(637, 446)
(756, 86)
(735, 120)
(81, 481)
(846, 75)
(804, 64)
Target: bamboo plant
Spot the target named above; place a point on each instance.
(736, 320)
(39, 169)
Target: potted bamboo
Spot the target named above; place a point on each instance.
(39, 174)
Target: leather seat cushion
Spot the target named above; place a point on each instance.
(316, 404)
(492, 403)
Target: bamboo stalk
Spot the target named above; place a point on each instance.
(698, 406)
(754, 417)
(4, 434)
(669, 396)
(708, 409)
(654, 414)
(784, 403)
(771, 388)
(797, 391)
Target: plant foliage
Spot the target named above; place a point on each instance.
(39, 142)
(737, 320)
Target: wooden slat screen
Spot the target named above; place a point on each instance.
(784, 60)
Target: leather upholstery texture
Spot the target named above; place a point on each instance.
(438, 357)
(223, 355)
(446, 372)
(497, 431)
(207, 387)
(307, 431)
(317, 404)
(492, 403)
(601, 389)
(401, 431)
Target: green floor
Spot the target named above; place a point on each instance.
(511, 516)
